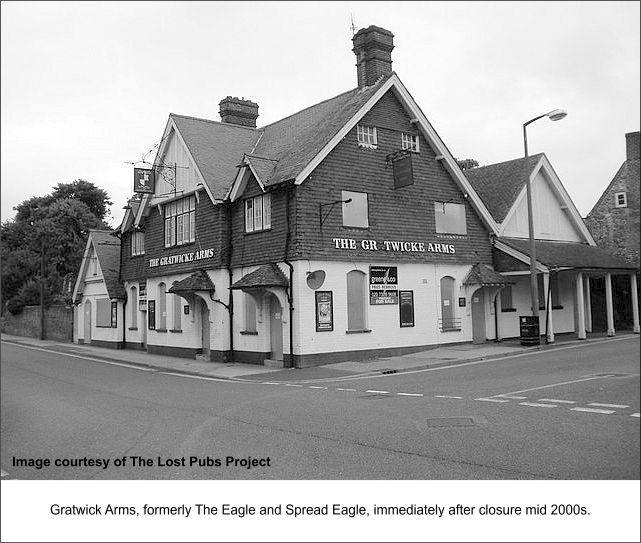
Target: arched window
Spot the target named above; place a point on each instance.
(178, 306)
(356, 301)
(162, 307)
(250, 313)
(133, 301)
(448, 308)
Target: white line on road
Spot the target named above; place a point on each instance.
(408, 394)
(510, 397)
(495, 400)
(612, 405)
(347, 389)
(635, 415)
(533, 404)
(588, 410)
(552, 385)
(556, 401)
(378, 391)
(268, 383)
(318, 387)
(450, 397)
(291, 385)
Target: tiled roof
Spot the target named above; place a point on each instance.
(217, 149)
(568, 254)
(199, 280)
(295, 140)
(264, 167)
(498, 185)
(107, 248)
(268, 275)
(482, 274)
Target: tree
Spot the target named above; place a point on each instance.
(467, 163)
(56, 226)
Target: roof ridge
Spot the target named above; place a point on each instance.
(253, 129)
(504, 162)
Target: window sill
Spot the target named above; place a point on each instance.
(246, 233)
(176, 331)
(248, 333)
(365, 331)
(179, 245)
(138, 256)
(451, 329)
(132, 328)
(557, 307)
(161, 330)
(367, 145)
(509, 310)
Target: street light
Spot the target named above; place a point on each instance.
(554, 115)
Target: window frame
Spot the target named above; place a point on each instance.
(179, 214)
(410, 142)
(618, 204)
(137, 243)
(258, 209)
(367, 136)
(353, 207)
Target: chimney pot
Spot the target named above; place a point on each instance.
(373, 49)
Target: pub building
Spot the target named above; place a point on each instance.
(342, 232)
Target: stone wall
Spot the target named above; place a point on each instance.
(58, 323)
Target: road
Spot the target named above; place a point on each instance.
(569, 413)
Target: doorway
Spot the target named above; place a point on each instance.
(275, 328)
(204, 320)
(87, 322)
(478, 316)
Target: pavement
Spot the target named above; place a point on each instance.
(437, 356)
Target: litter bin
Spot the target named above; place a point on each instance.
(529, 327)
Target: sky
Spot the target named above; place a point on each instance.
(87, 87)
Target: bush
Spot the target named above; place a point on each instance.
(15, 305)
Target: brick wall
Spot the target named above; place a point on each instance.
(58, 323)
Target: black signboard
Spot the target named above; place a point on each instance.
(324, 311)
(383, 285)
(151, 313)
(406, 308)
(403, 174)
(114, 314)
(383, 297)
(144, 180)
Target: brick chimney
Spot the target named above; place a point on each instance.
(373, 49)
(632, 145)
(238, 111)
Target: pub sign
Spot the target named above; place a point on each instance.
(144, 180)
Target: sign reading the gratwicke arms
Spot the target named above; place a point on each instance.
(394, 246)
(181, 258)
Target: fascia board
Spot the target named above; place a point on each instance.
(435, 141)
(123, 224)
(519, 256)
(565, 197)
(238, 186)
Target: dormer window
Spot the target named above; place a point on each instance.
(621, 199)
(258, 213)
(366, 136)
(409, 141)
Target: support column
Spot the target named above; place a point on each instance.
(588, 306)
(635, 302)
(608, 303)
(548, 308)
(499, 316)
(580, 307)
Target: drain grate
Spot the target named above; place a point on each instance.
(447, 422)
(386, 372)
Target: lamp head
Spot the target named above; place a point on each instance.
(556, 114)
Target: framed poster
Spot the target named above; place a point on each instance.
(324, 311)
(151, 314)
(406, 308)
(114, 314)
(383, 285)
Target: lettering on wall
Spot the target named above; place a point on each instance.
(393, 246)
(181, 258)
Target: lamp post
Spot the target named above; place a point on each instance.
(554, 115)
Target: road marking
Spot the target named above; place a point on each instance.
(450, 397)
(532, 404)
(347, 389)
(550, 386)
(588, 410)
(268, 383)
(510, 397)
(290, 385)
(495, 400)
(318, 387)
(556, 401)
(612, 405)
(408, 394)
(378, 391)
(635, 415)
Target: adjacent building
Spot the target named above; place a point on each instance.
(344, 231)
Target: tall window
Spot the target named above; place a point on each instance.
(450, 218)
(162, 307)
(133, 301)
(137, 243)
(506, 299)
(366, 136)
(180, 221)
(409, 141)
(178, 306)
(448, 310)
(250, 313)
(356, 301)
(103, 313)
(355, 211)
(258, 213)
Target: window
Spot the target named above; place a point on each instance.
(258, 213)
(356, 302)
(355, 211)
(621, 199)
(93, 263)
(366, 136)
(178, 307)
(133, 302)
(506, 299)
(137, 243)
(449, 322)
(103, 313)
(162, 307)
(450, 218)
(250, 314)
(409, 141)
(180, 221)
